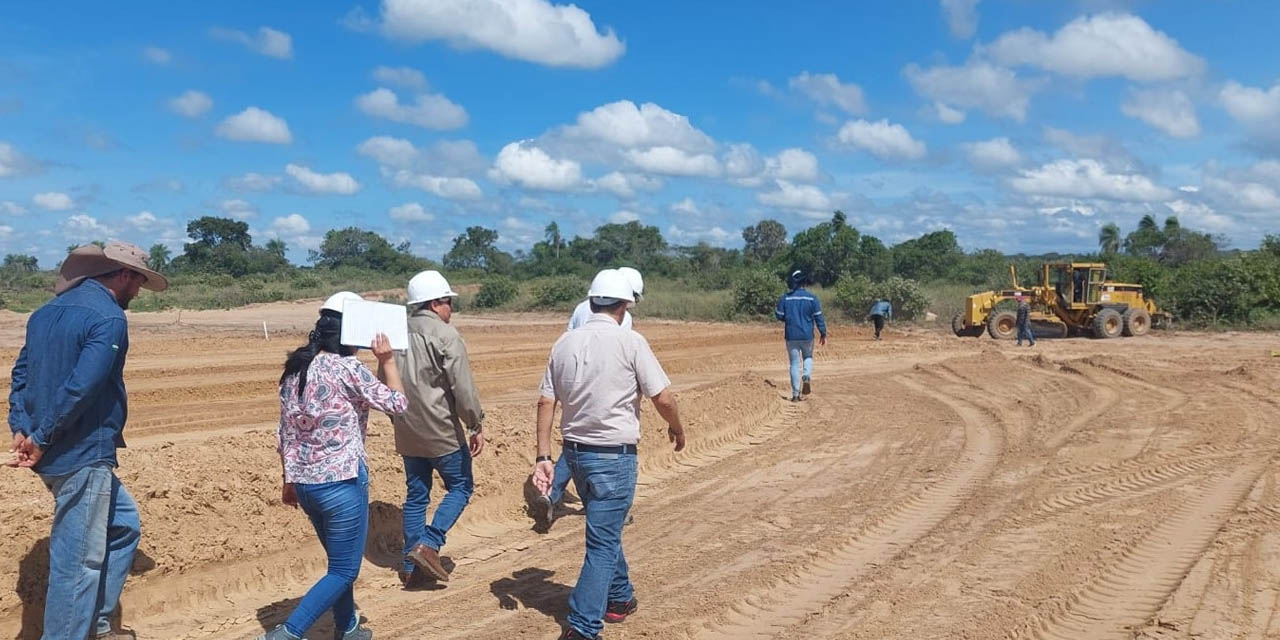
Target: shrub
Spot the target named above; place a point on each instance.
(555, 292)
(756, 292)
(306, 281)
(856, 294)
(496, 291)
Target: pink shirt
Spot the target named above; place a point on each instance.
(321, 437)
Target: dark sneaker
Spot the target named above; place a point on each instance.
(795, 398)
(572, 634)
(544, 512)
(805, 388)
(278, 633)
(618, 611)
(117, 634)
(358, 633)
(428, 560)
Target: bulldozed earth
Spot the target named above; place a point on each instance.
(931, 487)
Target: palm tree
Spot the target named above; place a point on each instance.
(1109, 239)
(554, 239)
(1148, 223)
(277, 247)
(159, 257)
(1172, 227)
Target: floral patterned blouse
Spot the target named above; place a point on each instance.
(321, 437)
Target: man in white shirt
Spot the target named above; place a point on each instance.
(582, 313)
(598, 373)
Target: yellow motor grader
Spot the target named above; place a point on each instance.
(1072, 298)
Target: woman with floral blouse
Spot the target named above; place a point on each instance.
(325, 398)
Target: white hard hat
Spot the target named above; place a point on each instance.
(429, 285)
(609, 286)
(637, 282)
(339, 300)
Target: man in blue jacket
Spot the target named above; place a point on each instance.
(67, 410)
(880, 311)
(799, 310)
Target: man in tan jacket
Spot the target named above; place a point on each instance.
(429, 436)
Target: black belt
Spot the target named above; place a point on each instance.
(625, 449)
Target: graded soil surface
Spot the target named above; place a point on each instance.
(931, 487)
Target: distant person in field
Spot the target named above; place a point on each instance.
(67, 408)
(1023, 316)
(544, 506)
(880, 312)
(325, 398)
(599, 373)
(800, 310)
(430, 435)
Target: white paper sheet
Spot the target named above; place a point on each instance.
(364, 319)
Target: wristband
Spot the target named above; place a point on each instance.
(542, 459)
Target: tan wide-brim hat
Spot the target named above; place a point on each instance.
(91, 261)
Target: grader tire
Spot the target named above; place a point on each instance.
(1108, 324)
(957, 325)
(1137, 322)
(1003, 325)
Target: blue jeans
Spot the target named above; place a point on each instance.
(798, 350)
(455, 471)
(339, 511)
(606, 482)
(560, 481)
(95, 534)
(1024, 331)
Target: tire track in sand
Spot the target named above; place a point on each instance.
(794, 598)
(1131, 591)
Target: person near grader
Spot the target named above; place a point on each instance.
(598, 373)
(1023, 317)
(429, 436)
(67, 412)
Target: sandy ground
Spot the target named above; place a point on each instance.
(932, 487)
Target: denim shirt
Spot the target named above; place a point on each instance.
(67, 389)
(882, 308)
(799, 310)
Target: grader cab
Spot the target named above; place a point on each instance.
(1071, 298)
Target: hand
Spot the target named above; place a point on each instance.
(381, 348)
(29, 454)
(543, 473)
(822, 341)
(676, 435)
(477, 443)
(18, 440)
(289, 495)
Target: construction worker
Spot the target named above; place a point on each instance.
(582, 313)
(1024, 321)
(67, 408)
(429, 436)
(800, 310)
(880, 311)
(544, 506)
(598, 373)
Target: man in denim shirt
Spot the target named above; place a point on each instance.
(67, 411)
(799, 310)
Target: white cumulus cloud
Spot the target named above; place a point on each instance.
(623, 217)
(1168, 110)
(962, 17)
(410, 212)
(1106, 44)
(84, 228)
(291, 225)
(394, 152)
(428, 110)
(524, 164)
(191, 104)
(266, 41)
(557, 35)
(53, 201)
(826, 89)
(717, 236)
(446, 187)
(1087, 178)
(793, 164)
(13, 162)
(9, 207)
(686, 206)
(238, 209)
(255, 125)
(997, 153)
(648, 125)
(671, 161)
(323, 183)
(802, 197)
(976, 85)
(1249, 105)
(881, 139)
(253, 182)
(157, 55)
(626, 185)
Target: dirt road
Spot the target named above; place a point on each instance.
(932, 487)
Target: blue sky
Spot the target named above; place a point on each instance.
(1022, 125)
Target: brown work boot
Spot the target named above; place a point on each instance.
(429, 560)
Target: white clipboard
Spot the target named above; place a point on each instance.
(364, 319)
